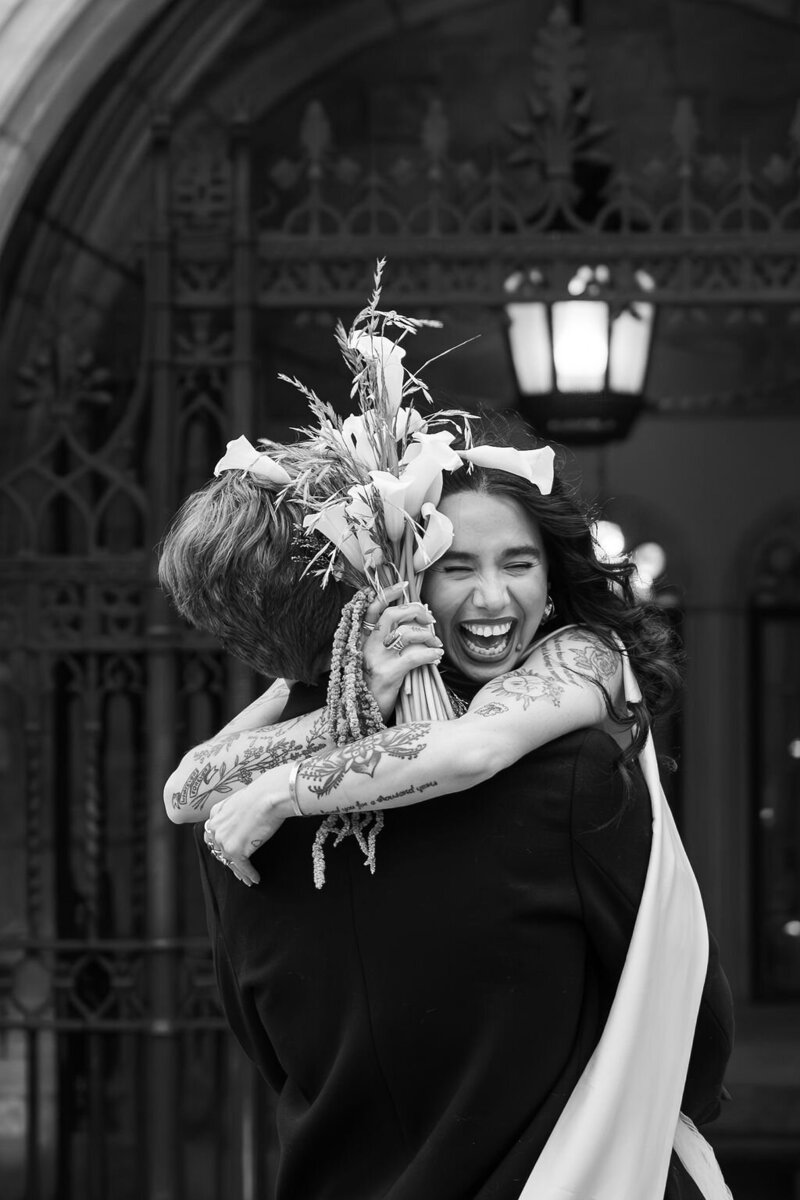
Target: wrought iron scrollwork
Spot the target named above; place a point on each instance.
(703, 225)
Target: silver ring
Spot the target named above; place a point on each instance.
(368, 625)
(396, 642)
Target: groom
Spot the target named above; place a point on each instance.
(422, 1027)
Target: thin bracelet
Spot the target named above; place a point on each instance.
(296, 809)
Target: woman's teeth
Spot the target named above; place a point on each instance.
(486, 641)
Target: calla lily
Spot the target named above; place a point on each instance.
(439, 444)
(333, 524)
(393, 496)
(408, 421)
(435, 541)
(422, 465)
(241, 455)
(355, 435)
(358, 506)
(422, 478)
(534, 465)
(388, 359)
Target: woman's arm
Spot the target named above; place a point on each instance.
(558, 690)
(264, 711)
(233, 758)
(192, 787)
(244, 749)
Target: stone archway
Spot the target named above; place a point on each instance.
(52, 54)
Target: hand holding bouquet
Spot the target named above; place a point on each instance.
(383, 468)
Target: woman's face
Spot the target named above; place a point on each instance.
(488, 592)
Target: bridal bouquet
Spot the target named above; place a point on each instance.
(371, 483)
(380, 522)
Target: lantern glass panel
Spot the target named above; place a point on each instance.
(630, 348)
(580, 345)
(529, 335)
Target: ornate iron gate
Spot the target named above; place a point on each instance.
(116, 1052)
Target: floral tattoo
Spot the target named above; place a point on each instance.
(325, 773)
(597, 660)
(216, 776)
(590, 659)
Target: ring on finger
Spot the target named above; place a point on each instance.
(396, 642)
(369, 626)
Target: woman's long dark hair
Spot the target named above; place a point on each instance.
(586, 590)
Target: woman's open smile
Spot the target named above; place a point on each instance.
(488, 592)
(487, 640)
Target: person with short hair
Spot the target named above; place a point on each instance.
(431, 1026)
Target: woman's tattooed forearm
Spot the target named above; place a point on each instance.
(272, 697)
(219, 777)
(235, 739)
(253, 754)
(413, 789)
(278, 691)
(326, 772)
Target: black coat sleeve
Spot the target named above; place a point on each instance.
(611, 835)
(222, 892)
(237, 1005)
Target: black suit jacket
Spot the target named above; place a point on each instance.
(423, 1027)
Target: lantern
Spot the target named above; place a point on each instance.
(580, 363)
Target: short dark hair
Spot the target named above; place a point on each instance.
(235, 565)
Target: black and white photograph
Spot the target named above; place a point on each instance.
(400, 599)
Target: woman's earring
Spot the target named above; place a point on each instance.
(549, 609)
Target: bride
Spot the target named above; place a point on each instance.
(525, 970)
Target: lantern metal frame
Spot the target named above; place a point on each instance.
(603, 409)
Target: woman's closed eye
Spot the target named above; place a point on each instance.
(462, 569)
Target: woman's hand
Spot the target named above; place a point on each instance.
(397, 638)
(240, 823)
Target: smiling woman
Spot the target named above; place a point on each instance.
(489, 591)
(521, 566)
(530, 622)
(476, 964)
